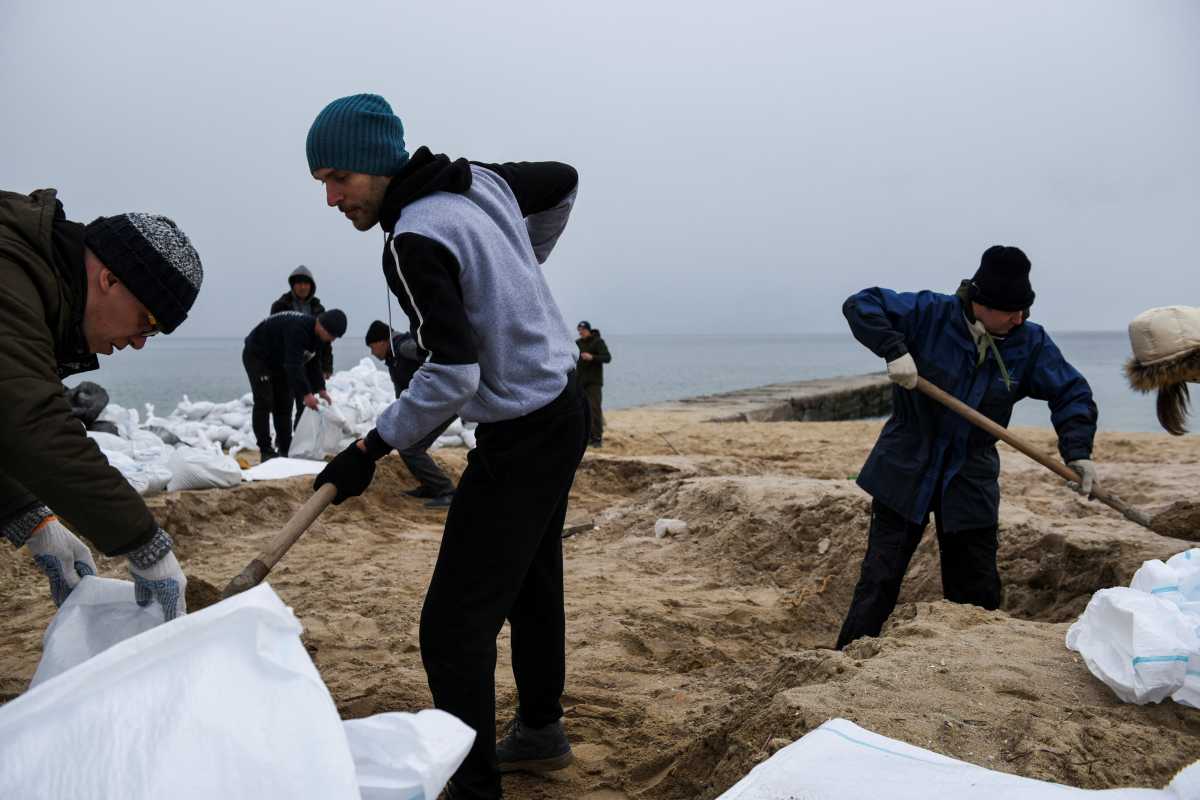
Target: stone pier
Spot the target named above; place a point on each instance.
(825, 400)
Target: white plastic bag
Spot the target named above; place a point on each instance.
(224, 702)
(318, 434)
(841, 761)
(1137, 643)
(202, 468)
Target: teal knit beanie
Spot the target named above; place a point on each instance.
(358, 133)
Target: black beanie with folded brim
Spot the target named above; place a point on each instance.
(1002, 280)
(153, 258)
(377, 331)
(334, 322)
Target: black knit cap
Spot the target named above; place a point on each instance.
(153, 258)
(377, 331)
(334, 322)
(1002, 280)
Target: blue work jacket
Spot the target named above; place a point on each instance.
(927, 452)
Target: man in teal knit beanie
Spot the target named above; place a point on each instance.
(359, 135)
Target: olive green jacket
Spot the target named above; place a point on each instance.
(592, 372)
(45, 455)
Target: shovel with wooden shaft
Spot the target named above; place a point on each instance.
(266, 560)
(1000, 432)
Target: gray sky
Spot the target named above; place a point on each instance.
(743, 166)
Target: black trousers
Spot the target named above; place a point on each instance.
(595, 397)
(424, 468)
(272, 400)
(969, 572)
(501, 558)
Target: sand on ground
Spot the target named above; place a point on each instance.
(694, 657)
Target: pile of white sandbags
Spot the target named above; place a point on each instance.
(186, 448)
(224, 702)
(1144, 641)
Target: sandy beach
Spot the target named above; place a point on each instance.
(693, 657)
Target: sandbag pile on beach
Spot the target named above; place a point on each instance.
(1143, 641)
(193, 446)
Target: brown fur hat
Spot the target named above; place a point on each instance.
(1166, 347)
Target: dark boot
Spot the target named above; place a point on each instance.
(265, 454)
(525, 749)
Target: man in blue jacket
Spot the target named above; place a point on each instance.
(979, 346)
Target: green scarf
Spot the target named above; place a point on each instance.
(986, 343)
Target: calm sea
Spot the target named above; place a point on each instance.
(645, 369)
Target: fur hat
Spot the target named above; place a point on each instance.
(1166, 356)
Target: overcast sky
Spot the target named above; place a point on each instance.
(743, 166)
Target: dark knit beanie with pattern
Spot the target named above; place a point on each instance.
(153, 258)
(334, 322)
(1002, 280)
(358, 133)
(377, 331)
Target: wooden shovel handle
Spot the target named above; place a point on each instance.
(266, 560)
(1054, 465)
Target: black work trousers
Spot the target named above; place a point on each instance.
(595, 398)
(272, 400)
(422, 466)
(501, 558)
(969, 572)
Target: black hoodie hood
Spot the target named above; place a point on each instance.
(424, 174)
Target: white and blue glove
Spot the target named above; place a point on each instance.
(61, 557)
(157, 577)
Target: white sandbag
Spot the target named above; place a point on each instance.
(468, 439)
(399, 756)
(841, 761)
(199, 468)
(126, 419)
(279, 468)
(245, 704)
(194, 411)
(221, 703)
(111, 443)
(1137, 643)
(318, 434)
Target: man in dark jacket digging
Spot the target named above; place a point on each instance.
(280, 357)
(462, 254)
(67, 292)
(979, 346)
(593, 355)
(403, 358)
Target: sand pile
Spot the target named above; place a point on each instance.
(693, 657)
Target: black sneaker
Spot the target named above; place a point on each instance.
(420, 492)
(525, 749)
(265, 454)
(596, 443)
(441, 501)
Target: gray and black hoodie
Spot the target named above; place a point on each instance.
(462, 255)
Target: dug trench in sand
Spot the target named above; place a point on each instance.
(692, 659)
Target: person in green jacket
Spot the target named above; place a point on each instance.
(67, 292)
(593, 355)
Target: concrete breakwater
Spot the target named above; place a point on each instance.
(824, 400)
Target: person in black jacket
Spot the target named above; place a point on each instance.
(403, 358)
(280, 361)
(463, 248)
(593, 355)
(302, 297)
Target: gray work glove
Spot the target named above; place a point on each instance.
(157, 576)
(60, 555)
(1087, 476)
(903, 371)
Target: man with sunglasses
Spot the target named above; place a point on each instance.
(979, 346)
(68, 292)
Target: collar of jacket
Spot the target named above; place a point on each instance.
(70, 347)
(424, 174)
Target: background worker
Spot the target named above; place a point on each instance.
(462, 253)
(302, 296)
(280, 357)
(403, 358)
(978, 346)
(593, 355)
(67, 293)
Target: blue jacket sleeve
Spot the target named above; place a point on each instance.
(882, 320)
(1073, 412)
